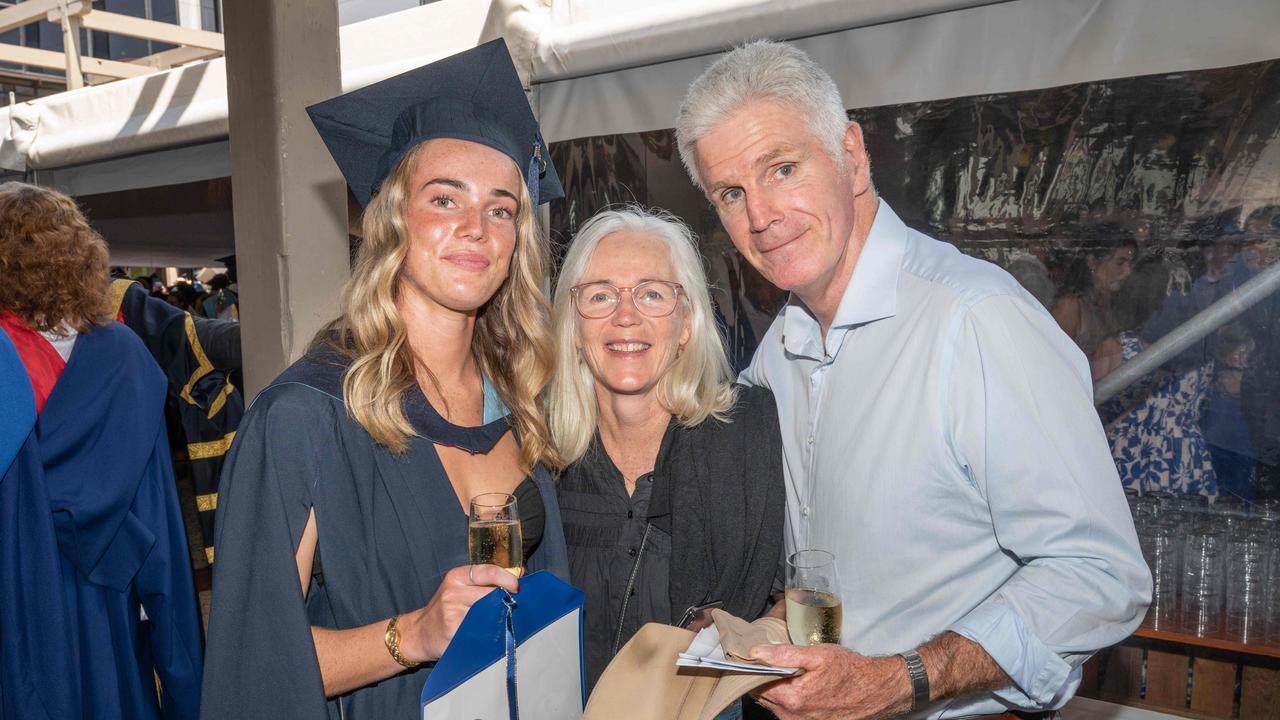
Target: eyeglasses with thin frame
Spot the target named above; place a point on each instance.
(651, 298)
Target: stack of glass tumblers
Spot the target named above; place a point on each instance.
(1215, 566)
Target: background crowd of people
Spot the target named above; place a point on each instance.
(218, 299)
(1204, 423)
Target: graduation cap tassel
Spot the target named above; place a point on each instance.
(536, 163)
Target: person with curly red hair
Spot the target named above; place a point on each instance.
(94, 577)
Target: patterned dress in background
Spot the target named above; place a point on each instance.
(1156, 441)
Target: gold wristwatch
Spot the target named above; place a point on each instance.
(392, 639)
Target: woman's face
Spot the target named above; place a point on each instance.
(461, 220)
(1110, 272)
(630, 352)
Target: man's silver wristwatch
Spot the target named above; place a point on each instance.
(919, 679)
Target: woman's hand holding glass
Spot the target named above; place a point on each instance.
(425, 633)
(496, 553)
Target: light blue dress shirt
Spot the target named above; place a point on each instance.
(942, 443)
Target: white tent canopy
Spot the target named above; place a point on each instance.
(612, 66)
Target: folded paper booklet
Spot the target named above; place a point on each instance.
(669, 673)
(711, 650)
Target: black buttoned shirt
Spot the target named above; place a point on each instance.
(623, 571)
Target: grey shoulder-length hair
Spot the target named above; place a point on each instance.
(700, 382)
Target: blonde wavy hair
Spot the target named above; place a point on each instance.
(511, 342)
(699, 383)
(53, 264)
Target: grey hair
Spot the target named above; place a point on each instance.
(761, 70)
(700, 382)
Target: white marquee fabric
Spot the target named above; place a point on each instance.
(614, 66)
(1005, 47)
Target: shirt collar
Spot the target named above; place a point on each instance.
(872, 293)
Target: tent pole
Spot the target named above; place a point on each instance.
(1226, 309)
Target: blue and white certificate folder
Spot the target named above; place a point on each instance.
(514, 657)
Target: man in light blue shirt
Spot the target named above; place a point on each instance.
(938, 427)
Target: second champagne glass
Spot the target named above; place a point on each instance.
(493, 532)
(814, 612)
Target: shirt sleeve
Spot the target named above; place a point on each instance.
(750, 374)
(1026, 433)
(754, 373)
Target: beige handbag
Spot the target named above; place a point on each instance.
(643, 682)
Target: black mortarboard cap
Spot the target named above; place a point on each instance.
(230, 263)
(475, 95)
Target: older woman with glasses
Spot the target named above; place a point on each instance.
(672, 499)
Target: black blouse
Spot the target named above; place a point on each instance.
(622, 570)
(704, 526)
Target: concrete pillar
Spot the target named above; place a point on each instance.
(289, 199)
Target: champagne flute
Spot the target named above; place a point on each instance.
(493, 532)
(814, 611)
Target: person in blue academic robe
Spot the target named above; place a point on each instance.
(98, 614)
(343, 567)
(91, 537)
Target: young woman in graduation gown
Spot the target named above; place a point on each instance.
(342, 522)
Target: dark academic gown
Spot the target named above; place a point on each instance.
(389, 528)
(90, 534)
(209, 406)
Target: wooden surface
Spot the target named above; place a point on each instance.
(1218, 643)
(1213, 690)
(1259, 693)
(1167, 679)
(1194, 678)
(1123, 679)
(1091, 676)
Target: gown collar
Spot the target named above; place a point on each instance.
(430, 425)
(323, 369)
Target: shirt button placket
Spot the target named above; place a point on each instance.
(814, 388)
(815, 396)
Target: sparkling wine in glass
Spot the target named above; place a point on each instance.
(814, 611)
(493, 533)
